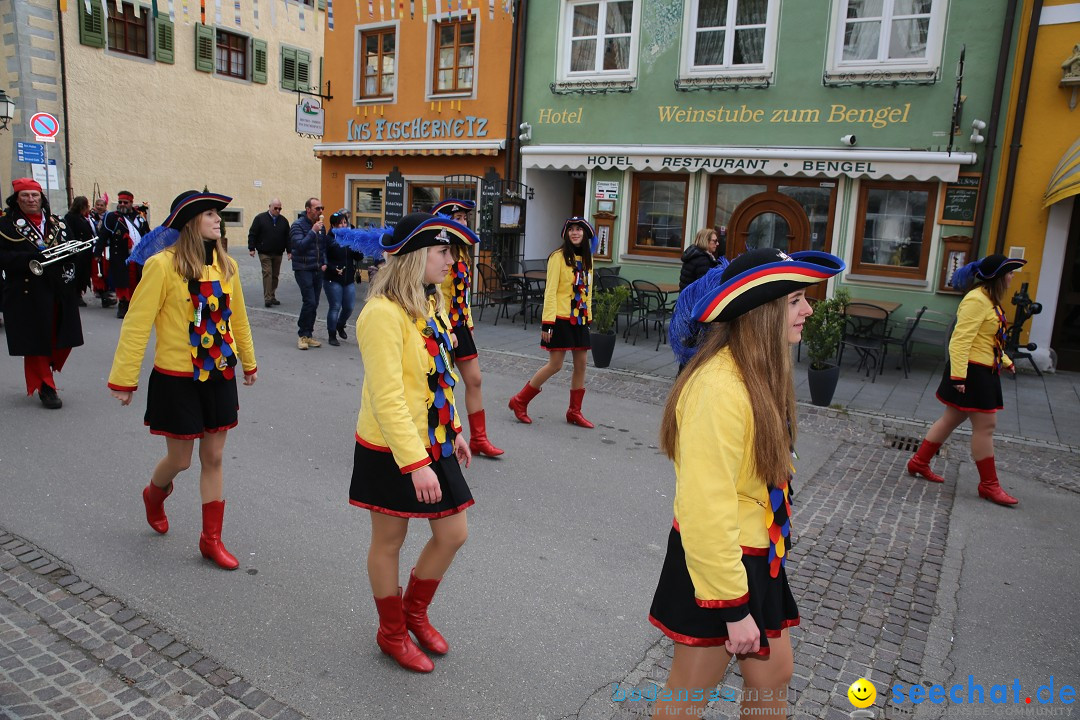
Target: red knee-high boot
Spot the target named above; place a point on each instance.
(415, 601)
(478, 439)
(393, 637)
(520, 402)
(989, 488)
(210, 541)
(573, 413)
(153, 498)
(919, 464)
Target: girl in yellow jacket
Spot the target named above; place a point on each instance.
(457, 296)
(190, 294)
(408, 436)
(567, 294)
(729, 426)
(971, 386)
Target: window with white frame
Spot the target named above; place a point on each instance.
(599, 38)
(730, 34)
(900, 34)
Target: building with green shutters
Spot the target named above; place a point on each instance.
(838, 125)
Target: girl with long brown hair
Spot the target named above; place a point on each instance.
(190, 294)
(970, 387)
(567, 311)
(730, 426)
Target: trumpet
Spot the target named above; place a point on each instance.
(56, 253)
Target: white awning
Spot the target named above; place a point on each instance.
(371, 149)
(806, 162)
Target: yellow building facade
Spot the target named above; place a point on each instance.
(158, 104)
(1039, 217)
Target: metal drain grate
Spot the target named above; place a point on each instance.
(907, 443)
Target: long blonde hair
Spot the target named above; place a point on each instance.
(190, 257)
(402, 280)
(762, 355)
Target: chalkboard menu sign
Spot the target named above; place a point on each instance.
(959, 200)
(395, 197)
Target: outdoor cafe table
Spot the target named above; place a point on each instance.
(888, 306)
(531, 278)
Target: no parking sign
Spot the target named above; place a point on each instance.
(45, 127)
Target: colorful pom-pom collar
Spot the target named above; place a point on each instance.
(420, 230)
(452, 205)
(760, 276)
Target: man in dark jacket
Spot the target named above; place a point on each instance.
(269, 236)
(121, 231)
(41, 309)
(307, 247)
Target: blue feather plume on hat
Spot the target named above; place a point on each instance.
(684, 331)
(964, 277)
(152, 243)
(363, 240)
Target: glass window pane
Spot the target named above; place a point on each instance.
(908, 38)
(749, 47)
(751, 12)
(709, 49)
(815, 202)
(712, 13)
(619, 17)
(389, 83)
(617, 53)
(768, 230)
(446, 35)
(585, 20)
(583, 55)
(729, 197)
(465, 78)
(446, 79)
(468, 33)
(912, 7)
(371, 44)
(424, 197)
(864, 8)
(369, 86)
(446, 58)
(465, 56)
(388, 64)
(661, 213)
(388, 42)
(894, 227)
(861, 40)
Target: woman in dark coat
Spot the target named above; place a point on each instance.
(79, 227)
(700, 257)
(41, 312)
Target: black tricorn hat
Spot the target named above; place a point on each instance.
(190, 203)
(420, 230)
(449, 206)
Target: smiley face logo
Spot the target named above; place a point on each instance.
(862, 693)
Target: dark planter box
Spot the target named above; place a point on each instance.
(823, 384)
(603, 345)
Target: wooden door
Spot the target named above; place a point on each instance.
(770, 219)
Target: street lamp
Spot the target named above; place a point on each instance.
(7, 110)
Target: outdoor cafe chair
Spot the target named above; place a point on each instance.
(864, 332)
(903, 343)
(495, 292)
(652, 310)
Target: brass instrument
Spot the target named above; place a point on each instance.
(56, 253)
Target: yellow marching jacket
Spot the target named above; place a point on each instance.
(975, 336)
(559, 291)
(162, 300)
(720, 500)
(394, 401)
(461, 256)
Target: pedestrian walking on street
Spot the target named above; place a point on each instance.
(567, 297)
(970, 388)
(307, 249)
(41, 309)
(408, 426)
(456, 290)
(190, 294)
(340, 277)
(729, 426)
(269, 236)
(121, 231)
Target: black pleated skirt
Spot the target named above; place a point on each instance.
(568, 337)
(378, 484)
(466, 346)
(676, 612)
(184, 408)
(982, 390)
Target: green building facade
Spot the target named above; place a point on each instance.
(831, 125)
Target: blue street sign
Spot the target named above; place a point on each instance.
(30, 152)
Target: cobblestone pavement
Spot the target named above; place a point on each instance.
(69, 651)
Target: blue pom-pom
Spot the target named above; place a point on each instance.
(152, 243)
(684, 330)
(964, 277)
(362, 240)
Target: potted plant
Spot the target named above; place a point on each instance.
(821, 337)
(605, 309)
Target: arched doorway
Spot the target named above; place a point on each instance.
(770, 219)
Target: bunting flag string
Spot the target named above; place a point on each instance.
(202, 11)
(63, 6)
(491, 9)
(172, 12)
(236, 9)
(424, 9)
(358, 10)
(217, 12)
(412, 9)
(88, 6)
(273, 13)
(138, 10)
(303, 22)
(371, 9)
(153, 9)
(330, 14)
(254, 10)
(119, 7)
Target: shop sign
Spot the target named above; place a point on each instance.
(878, 117)
(607, 189)
(395, 197)
(418, 128)
(310, 118)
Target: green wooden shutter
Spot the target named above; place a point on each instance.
(288, 68)
(163, 32)
(92, 25)
(204, 48)
(303, 70)
(258, 68)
